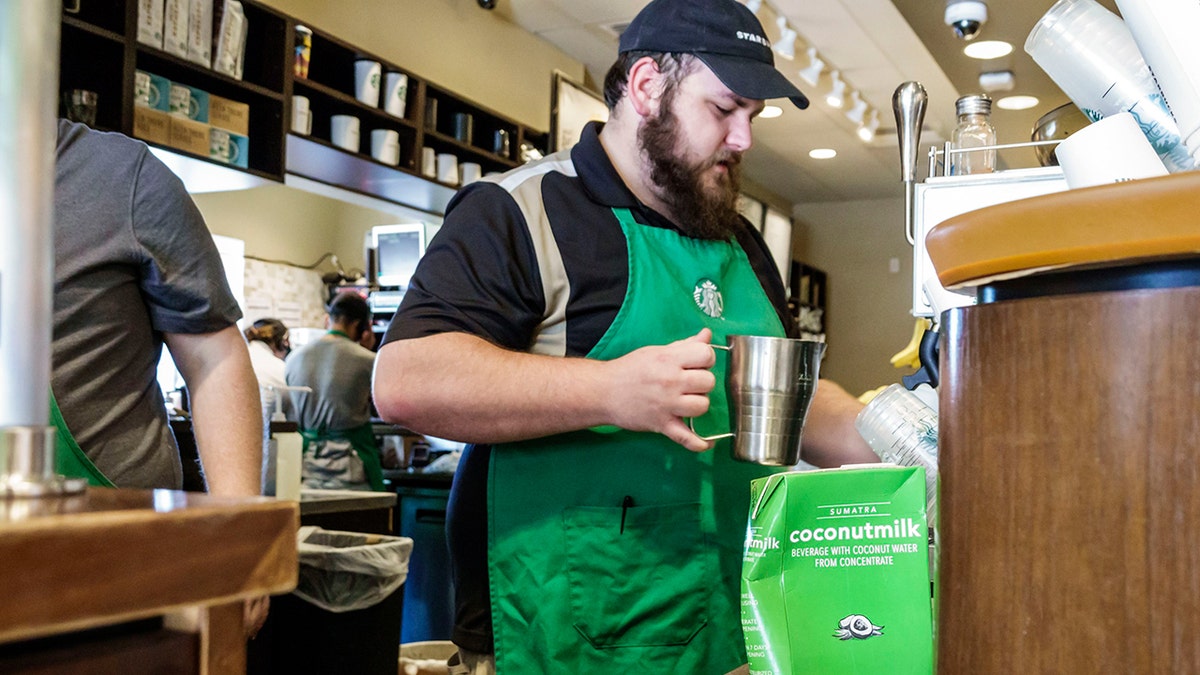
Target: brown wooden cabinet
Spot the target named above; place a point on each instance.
(100, 52)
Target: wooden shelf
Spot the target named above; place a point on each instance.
(104, 17)
(302, 86)
(474, 150)
(324, 162)
(87, 27)
(101, 53)
(807, 300)
(164, 63)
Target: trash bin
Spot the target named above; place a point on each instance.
(344, 615)
(426, 658)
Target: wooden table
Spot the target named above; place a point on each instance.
(174, 566)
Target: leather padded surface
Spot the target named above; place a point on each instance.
(1109, 224)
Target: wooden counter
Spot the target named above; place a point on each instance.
(1070, 489)
(108, 557)
(348, 510)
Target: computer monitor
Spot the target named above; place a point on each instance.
(397, 250)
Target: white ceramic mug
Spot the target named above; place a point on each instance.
(447, 168)
(181, 101)
(395, 94)
(429, 162)
(470, 172)
(145, 93)
(220, 147)
(366, 81)
(344, 132)
(301, 115)
(385, 146)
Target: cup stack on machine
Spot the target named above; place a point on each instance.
(1093, 57)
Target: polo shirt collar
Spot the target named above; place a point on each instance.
(603, 183)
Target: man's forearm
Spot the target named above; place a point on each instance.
(226, 409)
(830, 438)
(227, 420)
(460, 387)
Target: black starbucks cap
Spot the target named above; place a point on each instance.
(723, 34)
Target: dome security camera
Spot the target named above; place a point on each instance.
(966, 17)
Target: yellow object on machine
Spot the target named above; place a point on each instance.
(909, 357)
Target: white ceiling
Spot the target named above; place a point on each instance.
(876, 45)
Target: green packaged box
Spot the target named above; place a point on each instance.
(835, 577)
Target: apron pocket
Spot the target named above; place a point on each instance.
(332, 464)
(638, 575)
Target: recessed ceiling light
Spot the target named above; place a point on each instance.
(770, 111)
(988, 49)
(1017, 102)
(822, 153)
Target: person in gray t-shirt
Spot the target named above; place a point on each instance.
(335, 419)
(136, 268)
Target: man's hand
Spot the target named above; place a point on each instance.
(655, 388)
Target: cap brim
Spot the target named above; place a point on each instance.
(752, 79)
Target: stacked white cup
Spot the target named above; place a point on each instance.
(1091, 55)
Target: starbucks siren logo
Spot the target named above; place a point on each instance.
(708, 298)
(857, 627)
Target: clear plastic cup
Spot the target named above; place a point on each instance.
(902, 430)
(1091, 55)
(897, 422)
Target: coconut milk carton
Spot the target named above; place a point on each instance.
(835, 576)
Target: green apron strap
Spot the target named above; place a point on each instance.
(362, 439)
(72, 462)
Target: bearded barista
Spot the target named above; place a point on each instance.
(561, 323)
(335, 417)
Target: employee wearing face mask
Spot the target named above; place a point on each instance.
(335, 417)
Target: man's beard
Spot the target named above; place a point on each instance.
(700, 211)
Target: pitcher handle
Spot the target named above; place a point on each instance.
(692, 421)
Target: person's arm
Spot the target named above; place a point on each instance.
(461, 387)
(226, 412)
(830, 438)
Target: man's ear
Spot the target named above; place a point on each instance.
(644, 86)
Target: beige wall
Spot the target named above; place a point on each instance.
(452, 43)
(284, 224)
(868, 317)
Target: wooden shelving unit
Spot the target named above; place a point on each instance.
(100, 53)
(808, 299)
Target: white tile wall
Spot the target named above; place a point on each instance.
(294, 295)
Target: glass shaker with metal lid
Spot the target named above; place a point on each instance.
(974, 130)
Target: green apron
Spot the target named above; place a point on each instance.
(360, 438)
(72, 462)
(612, 551)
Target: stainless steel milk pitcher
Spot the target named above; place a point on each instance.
(769, 386)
